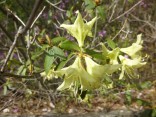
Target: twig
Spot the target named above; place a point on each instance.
(58, 2)
(12, 40)
(16, 17)
(32, 16)
(113, 11)
(55, 6)
(3, 2)
(22, 31)
(36, 33)
(37, 17)
(143, 21)
(28, 52)
(127, 11)
(14, 75)
(14, 96)
(120, 30)
(4, 11)
(29, 43)
(4, 74)
(19, 56)
(11, 48)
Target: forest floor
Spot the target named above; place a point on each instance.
(17, 104)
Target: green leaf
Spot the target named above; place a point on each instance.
(58, 53)
(128, 97)
(49, 59)
(90, 4)
(146, 85)
(101, 13)
(154, 113)
(92, 53)
(111, 43)
(51, 55)
(69, 13)
(24, 71)
(64, 62)
(69, 45)
(57, 40)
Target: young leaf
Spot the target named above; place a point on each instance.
(58, 53)
(90, 4)
(64, 62)
(69, 45)
(92, 53)
(111, 43)
(101, 12)
(57, 40)
(49, 59)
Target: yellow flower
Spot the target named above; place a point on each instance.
(134, 48)
(112, 55)
(98, 71)
(79, 29)
(130, 65)
(75, 75)
(51, 74)
(89, 77)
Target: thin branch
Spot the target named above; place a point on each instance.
(3, 2)
(120, 30)
(37, 17)
(28, 41)
(4, 11)
(16, 16)
(3, 74)
(148, 23)
(12, 40)
(28, 52)
(11, 49)
(113, 11)
(19, 58)
(127, 11)
(54, 5)
(22, 31)
(32, 16)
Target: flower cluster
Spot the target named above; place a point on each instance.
(129, 64)
(85, 73)
(88, 78)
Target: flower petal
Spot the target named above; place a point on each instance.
(134, 48)
(79, 29)
(75, 75)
